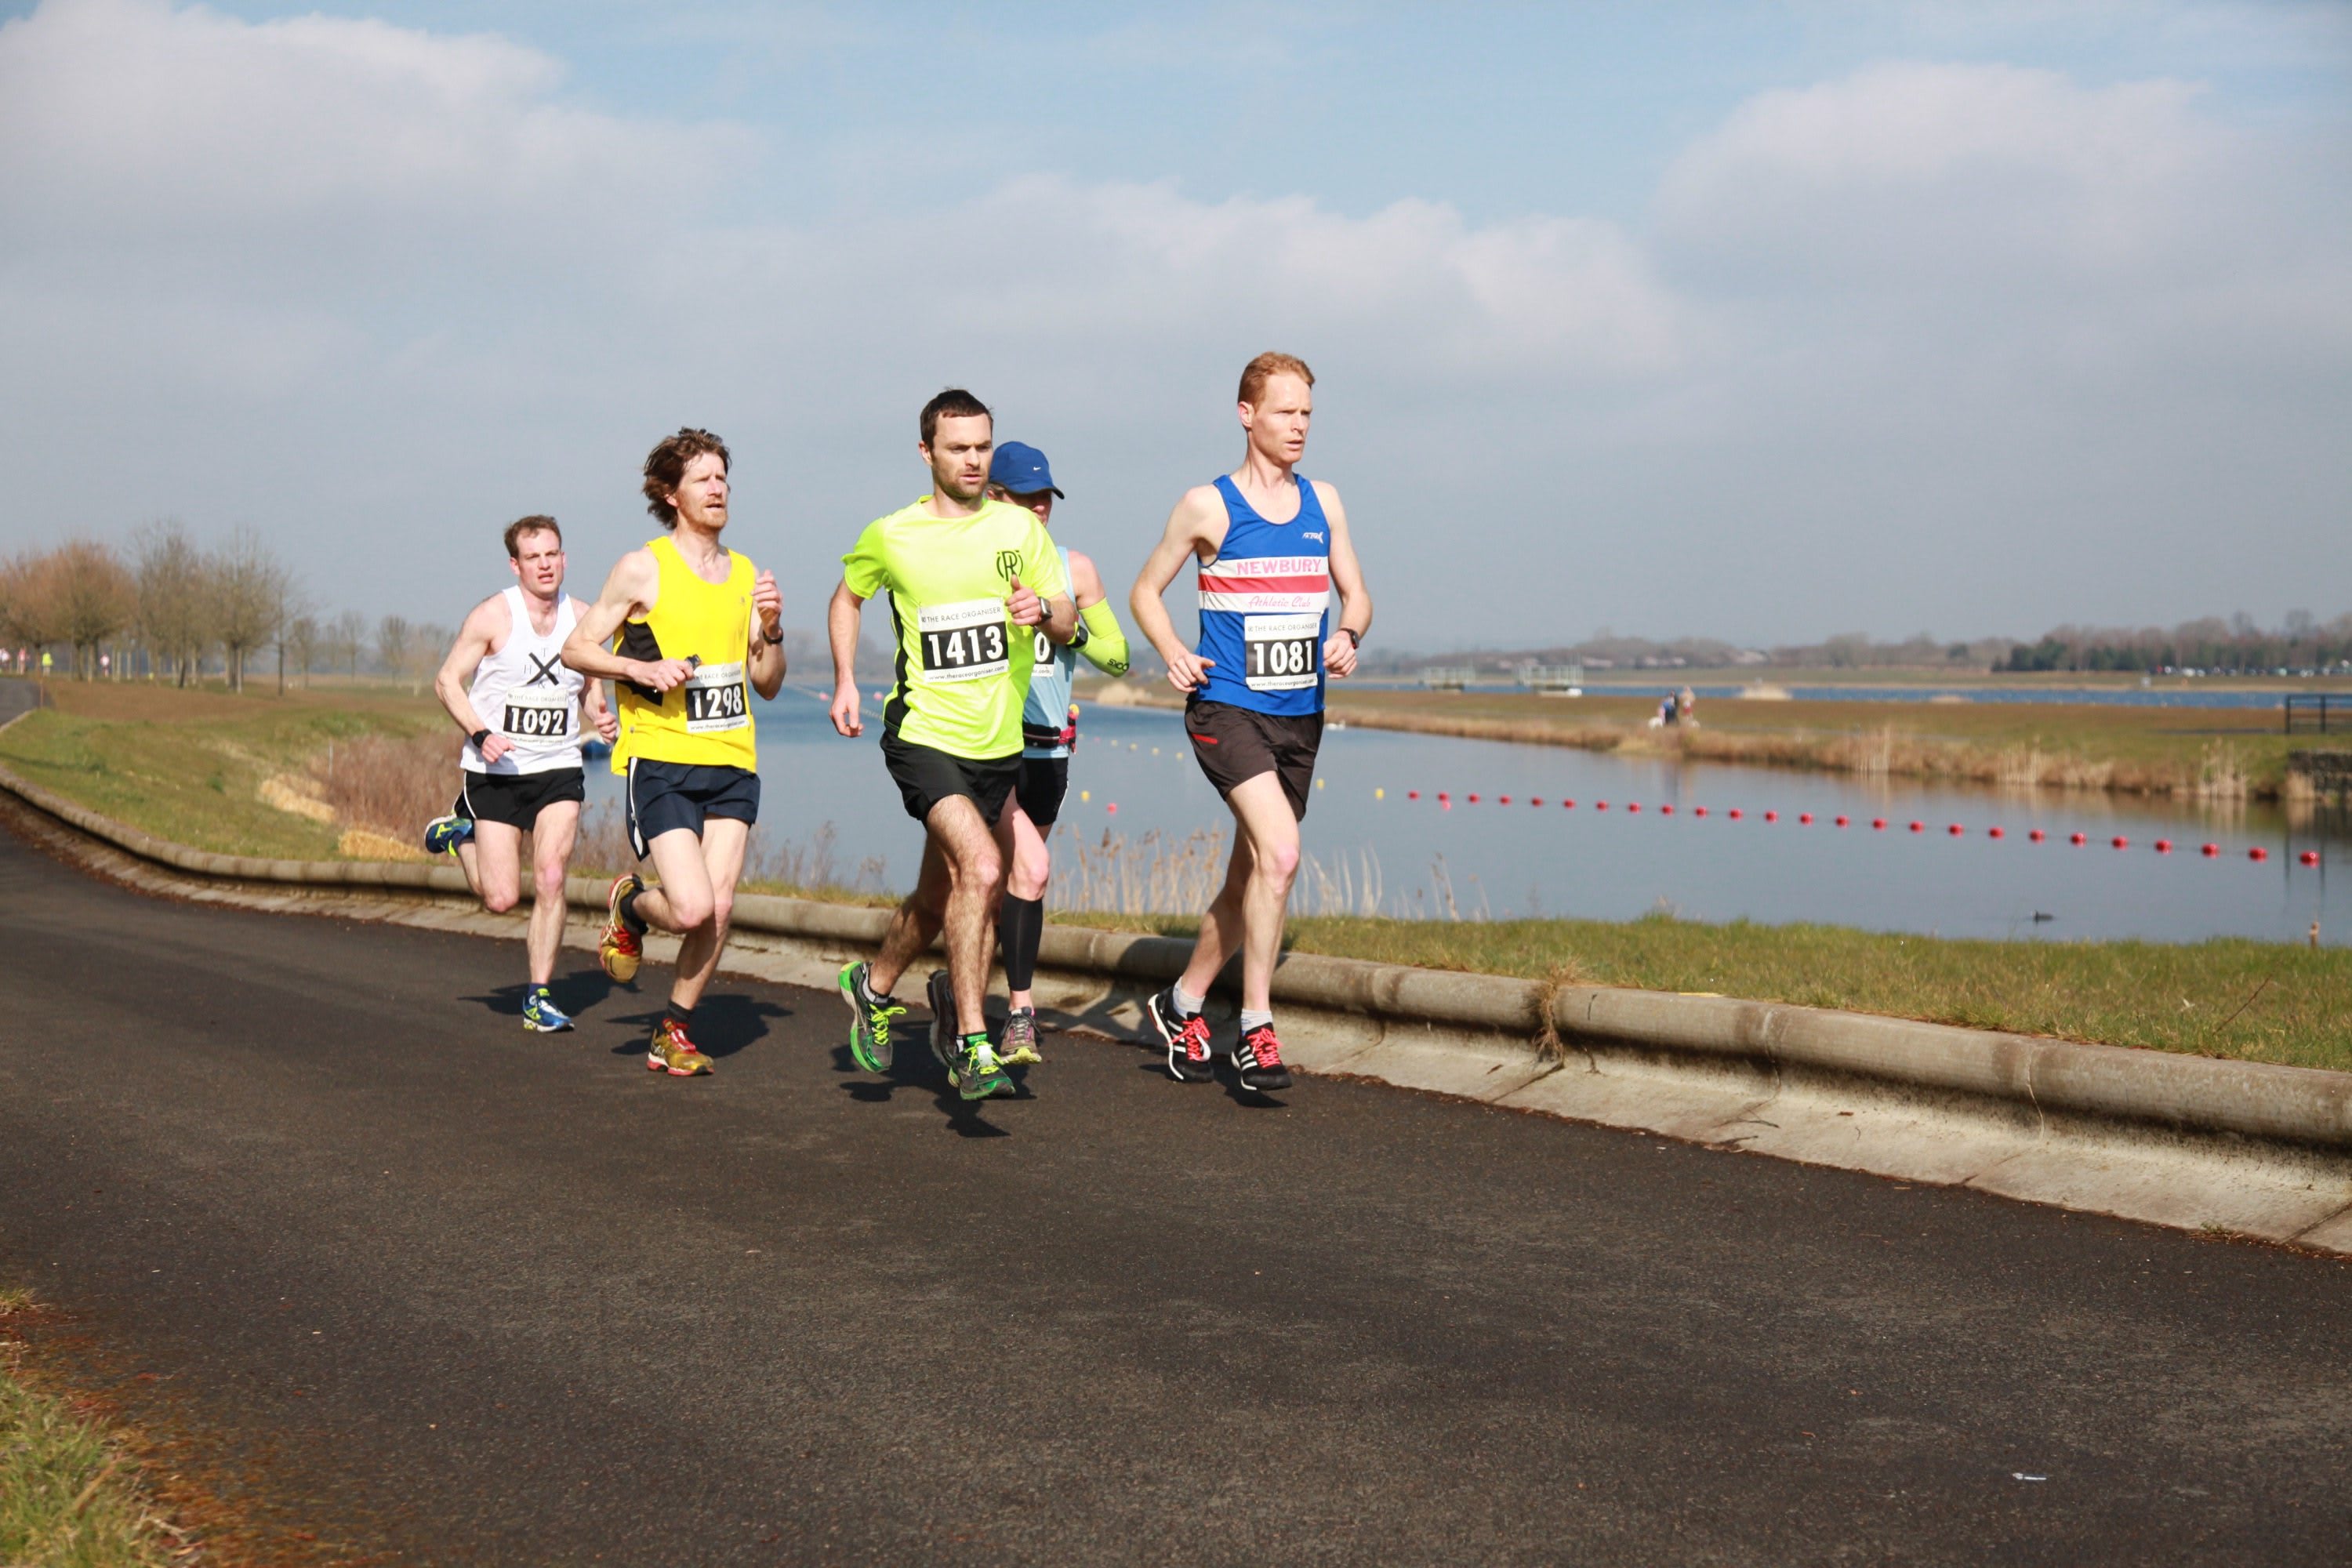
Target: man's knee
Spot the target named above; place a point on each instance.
(985, 866)
(722, 906)
(1278, 863)
(548, 881)
(498, 901)
(1031, 867)
(689, 907)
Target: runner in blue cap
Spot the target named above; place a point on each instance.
(1049, 729)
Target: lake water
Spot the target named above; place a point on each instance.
(2112, 696)
(1521, 858)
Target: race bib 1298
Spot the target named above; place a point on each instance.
(963, 641)
(1279, 653)
(716, 698)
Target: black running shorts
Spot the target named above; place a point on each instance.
(665, 796)
(926, 775)
(517, 799)
(1237, 744)
(1044, 782)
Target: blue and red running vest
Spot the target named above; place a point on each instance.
(1263, 603)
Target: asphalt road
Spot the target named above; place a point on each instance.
(440, 1291)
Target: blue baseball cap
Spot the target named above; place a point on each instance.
(1020, 470)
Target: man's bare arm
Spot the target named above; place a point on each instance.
(767, 654)
(1194, 528)
(841, 631)
(631, 590)
(485, 624)
(1347, 581)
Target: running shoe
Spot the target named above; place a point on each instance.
(939, 996)
(444, 834)
(1187, 1038)
(541, 1015)
(977, 1073)
(673, 1053)
(1260, 1059)
(619, 949)
(869, 1022)
(1017, 1045)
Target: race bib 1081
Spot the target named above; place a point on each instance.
(1281, 653)
(716, 698)
(963, 641)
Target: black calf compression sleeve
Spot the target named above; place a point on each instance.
(1019, 924)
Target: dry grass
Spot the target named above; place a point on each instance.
(1162, 873)
(68, 1494)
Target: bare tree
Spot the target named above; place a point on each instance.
(175, 596)
(302, 637)
(347, 640)
(292, 606)
(93, 599)
(392, 634)
(28, 608)
(252, 586)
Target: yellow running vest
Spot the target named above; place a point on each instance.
(707, 722)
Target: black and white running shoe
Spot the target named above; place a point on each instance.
(1260, 1060)
(1187, 1039)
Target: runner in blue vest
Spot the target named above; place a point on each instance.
(1272, 546)
(1049, 729)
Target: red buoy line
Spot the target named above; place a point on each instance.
(2254, 853)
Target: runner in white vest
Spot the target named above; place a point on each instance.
(506, 687)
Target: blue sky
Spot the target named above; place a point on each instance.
(1765, 321)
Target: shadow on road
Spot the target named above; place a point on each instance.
(724, 1025)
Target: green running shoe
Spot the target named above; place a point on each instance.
(978, 1074)
(869, 1019)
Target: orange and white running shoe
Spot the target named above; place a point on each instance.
(619, 950)
(673, 1053)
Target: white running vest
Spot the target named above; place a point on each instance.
(523, 690)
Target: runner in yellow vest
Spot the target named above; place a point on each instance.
(693, 631)
(964, 574)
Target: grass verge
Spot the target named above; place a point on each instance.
(68, 1497)
(2248, 1001)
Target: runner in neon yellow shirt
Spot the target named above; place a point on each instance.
(969, 578)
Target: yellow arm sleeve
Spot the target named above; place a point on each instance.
(1105, 645)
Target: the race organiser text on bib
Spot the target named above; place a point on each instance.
(963, 641)
(1280, 653)
(716, 698)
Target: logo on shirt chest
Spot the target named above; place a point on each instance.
(1008, 563)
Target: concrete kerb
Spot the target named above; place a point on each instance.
(2189, 1141)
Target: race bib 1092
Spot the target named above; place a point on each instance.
(963, 641)
(1280, 653)
(537, 721)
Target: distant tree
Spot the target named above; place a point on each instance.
(29, 612)
(302, 637)
(1846, 651)
(251, 588)
(173, 586)
(93, 598)
(348, 639)
(391, 642)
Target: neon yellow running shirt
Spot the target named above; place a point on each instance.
(959, 688)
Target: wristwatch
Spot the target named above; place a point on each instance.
(478, 736)
(1355, 638)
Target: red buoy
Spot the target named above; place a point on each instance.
(2309, 857)
(1568, 803)
(2036, 836)
(1955, 830)
(1499, 800)
(1632, 805)
(1771, 817)
(1600, 805)
(1535, 800)
(1474, 800)
(2258, 853)
(1665, 811)
(1413, 794)
(1735, 814)
(1112, 808)
(1995, 833)
(1698, 811)
(1918, 827)
(1804, 819)
(2120, 842)
(2210, 850)
(2078, 838)
(2164, 846)
(1841, 822)
(1878, 823)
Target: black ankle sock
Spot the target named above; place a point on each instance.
(1019, 925)
(629, 916)
(682, 1017)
